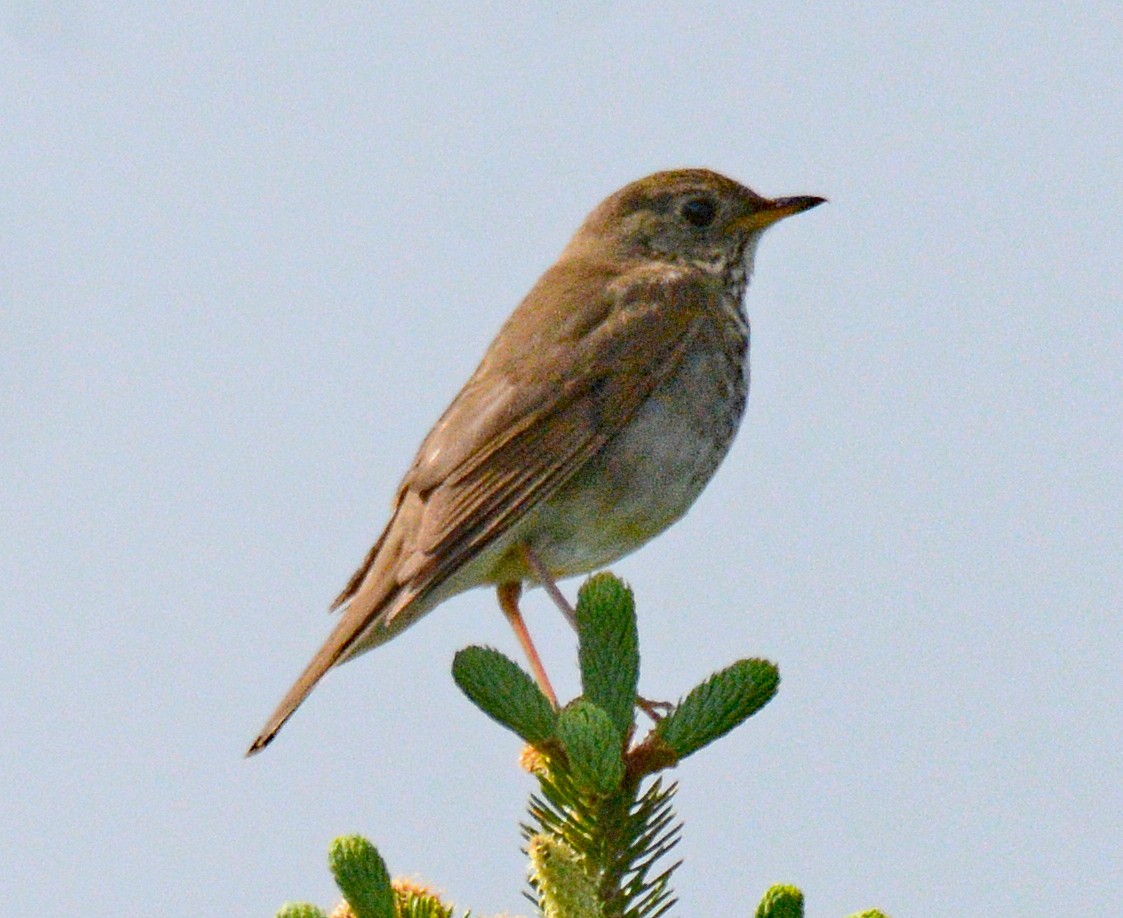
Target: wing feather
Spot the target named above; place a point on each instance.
(559, 407)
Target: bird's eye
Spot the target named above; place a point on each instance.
(699, 211)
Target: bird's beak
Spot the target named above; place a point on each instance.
(766, 212)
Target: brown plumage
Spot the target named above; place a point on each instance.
(596, 417)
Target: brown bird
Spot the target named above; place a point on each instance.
(597, 416)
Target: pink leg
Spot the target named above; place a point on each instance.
(509, 602)
(543, 577)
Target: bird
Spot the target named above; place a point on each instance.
(598, 414)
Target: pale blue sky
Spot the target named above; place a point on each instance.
(248, 253)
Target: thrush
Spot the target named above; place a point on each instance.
(595, 419)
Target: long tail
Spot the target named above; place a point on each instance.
(352, 635)
(326, 657)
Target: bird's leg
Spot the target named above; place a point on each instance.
(543, 577)
(656, 710)
(509, 602)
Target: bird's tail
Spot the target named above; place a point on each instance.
(358, 630)
(326, 657)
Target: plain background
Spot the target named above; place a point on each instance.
(250, 251)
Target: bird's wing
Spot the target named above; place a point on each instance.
(539, 407)
(551, 391)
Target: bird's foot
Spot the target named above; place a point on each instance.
(656, 710)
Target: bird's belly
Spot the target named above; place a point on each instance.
(649, 475)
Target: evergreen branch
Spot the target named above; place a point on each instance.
(593, 745)
(300, 910)
(719, 704)
(360, 873)
(608, 651)
(781, 901)
(601, 824)
(506, 694)
(565, 888)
